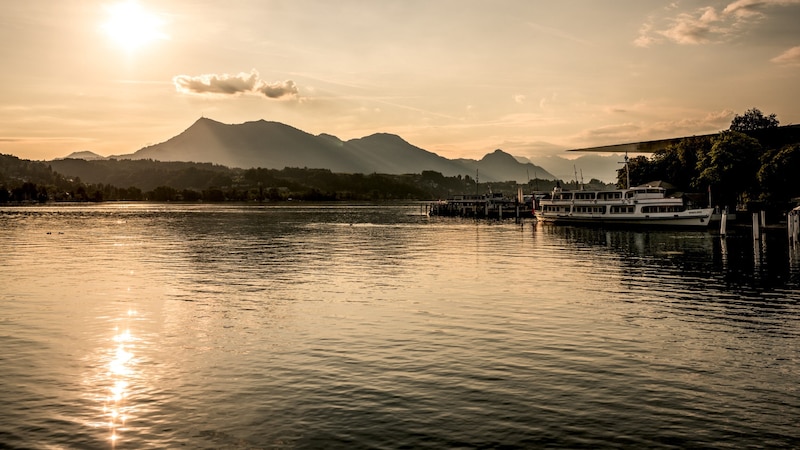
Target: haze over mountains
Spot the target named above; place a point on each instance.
(276, 145)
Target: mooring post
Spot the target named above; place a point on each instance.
(723, 222)
(756, 226)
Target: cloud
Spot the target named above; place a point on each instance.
(711, 122)
(216, 84)
(790, 57)
(519, 98)
(645, 38)
(750, 8)
(623, 129)
(242, 83)
(704, 25)
(690, 29)
(278, 90)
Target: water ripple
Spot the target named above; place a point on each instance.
(372, 326)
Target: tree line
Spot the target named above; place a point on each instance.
(753, 162)
(23, 181)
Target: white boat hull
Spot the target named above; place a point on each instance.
(698, 218)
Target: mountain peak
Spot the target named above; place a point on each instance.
(203, 119)
(205, 122)
(498, 155)
(386, 137)
(85, 154)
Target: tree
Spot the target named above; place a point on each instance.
(641, 171)
(677, 163)
(730, 166)
(753, 119)
(777, 176)
(163, 194)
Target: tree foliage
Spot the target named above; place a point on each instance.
(737, 167)
(729, 167)
(678, 163)
(777, 176)
(753, 119)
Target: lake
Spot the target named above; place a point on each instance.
(138, 325)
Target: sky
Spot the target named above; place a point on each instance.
(460, 78)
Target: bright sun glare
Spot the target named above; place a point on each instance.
(131, 27)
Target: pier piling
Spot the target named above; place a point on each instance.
(756, 226)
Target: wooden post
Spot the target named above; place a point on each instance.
(723, 223)
(793, 224)
(796, 227)
(756, 228)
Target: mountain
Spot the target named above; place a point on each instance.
(251, 144)
(87, 155)
(602, 167)
(276, 145)
(501, 165)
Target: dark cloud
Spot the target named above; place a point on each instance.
(278, 90)
(225, 84)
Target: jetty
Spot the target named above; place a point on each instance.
(488, 206)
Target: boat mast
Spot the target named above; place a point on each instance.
(627, 172)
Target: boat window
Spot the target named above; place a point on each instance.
(622, 209)
(663, 209)
(590, 209)
(609, 195)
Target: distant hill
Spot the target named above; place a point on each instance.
(85, 155)
(276, 145)
(600, 166)
(502, 163)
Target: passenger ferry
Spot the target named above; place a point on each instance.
(642, 205)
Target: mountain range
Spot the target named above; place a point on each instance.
(275, 145)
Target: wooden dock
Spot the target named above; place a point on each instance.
(492, 206)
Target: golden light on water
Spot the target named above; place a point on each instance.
(120, 370)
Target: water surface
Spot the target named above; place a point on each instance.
(372, 326)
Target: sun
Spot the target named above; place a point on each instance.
(131, 27)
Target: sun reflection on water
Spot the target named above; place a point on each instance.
(120, 369)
